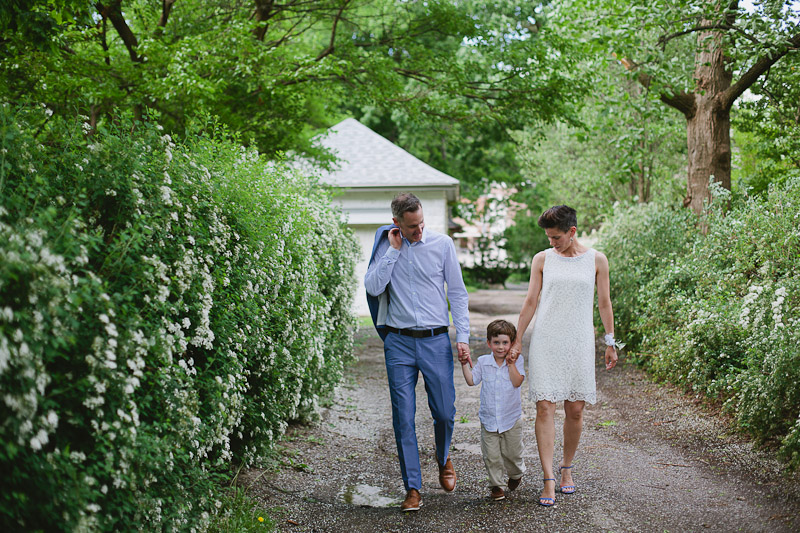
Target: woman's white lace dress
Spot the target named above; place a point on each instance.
(562, 347)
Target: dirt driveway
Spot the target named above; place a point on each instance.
(650, 460)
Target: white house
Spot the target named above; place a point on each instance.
(372, 171)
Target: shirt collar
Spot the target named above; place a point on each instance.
(422, 240)
(494, 361)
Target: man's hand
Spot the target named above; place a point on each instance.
(395, 238)
(463, 353)
(611, 357)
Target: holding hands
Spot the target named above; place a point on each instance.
(464, 354)
(511, 357)
(513, 352)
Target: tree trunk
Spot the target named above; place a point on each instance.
(708, 129)
(707, 108)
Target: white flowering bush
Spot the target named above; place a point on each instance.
(165, 310)
(720, 313)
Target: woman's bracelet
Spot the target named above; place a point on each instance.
(608, 338)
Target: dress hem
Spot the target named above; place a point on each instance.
(555, 397)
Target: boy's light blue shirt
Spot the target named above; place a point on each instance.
(418, 273)
(501, 402)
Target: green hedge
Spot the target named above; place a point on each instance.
(165, 309)
(717, 312)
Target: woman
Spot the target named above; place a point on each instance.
(562, 345)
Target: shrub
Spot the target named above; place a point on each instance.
(720, 312)
(641, 242)
(166, 309)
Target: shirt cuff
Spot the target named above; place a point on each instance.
(392, 253)
(462, 337)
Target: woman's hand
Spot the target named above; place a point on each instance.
(611, 357)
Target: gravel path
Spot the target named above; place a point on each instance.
(650, 459)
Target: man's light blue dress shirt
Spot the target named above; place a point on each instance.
(418, 273)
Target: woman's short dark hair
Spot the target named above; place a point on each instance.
(405, 203)
(560, 216)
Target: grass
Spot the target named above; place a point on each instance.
(241, 514)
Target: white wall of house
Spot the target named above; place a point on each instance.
(369, 208)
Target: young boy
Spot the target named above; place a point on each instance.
(501, 406)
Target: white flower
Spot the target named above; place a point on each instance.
(39, 440)
(77, 457)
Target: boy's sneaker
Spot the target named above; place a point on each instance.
(513, 483)
(498, 494)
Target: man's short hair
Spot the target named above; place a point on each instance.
(405, 203)
(560, 216)
(501, 327)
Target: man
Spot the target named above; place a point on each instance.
(410, 267)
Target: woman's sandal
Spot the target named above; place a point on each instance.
(547, 502)
(567, 489)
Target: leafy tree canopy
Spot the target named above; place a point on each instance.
(279, 72)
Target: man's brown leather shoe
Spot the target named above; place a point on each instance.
(447, 476)
(498, 494)
(412, 502)
(513, 483)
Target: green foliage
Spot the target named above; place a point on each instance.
(278, 72)
(642, 241)
(505, 58)
(718, 313)
(166, 309)
(240, 514)
(767, 132)
(525, 238)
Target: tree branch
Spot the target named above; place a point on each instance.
(330, 47)
(166, 8)
(664, 39)
(760, 67)
(262, 14)
(682, 101)
(114, 14)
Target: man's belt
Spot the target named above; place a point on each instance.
(418, 333)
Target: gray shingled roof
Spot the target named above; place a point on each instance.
(369, 160)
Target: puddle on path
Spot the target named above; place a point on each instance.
(367, 496)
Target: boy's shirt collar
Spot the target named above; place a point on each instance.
(494, 361)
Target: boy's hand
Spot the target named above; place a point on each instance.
(511, 357)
